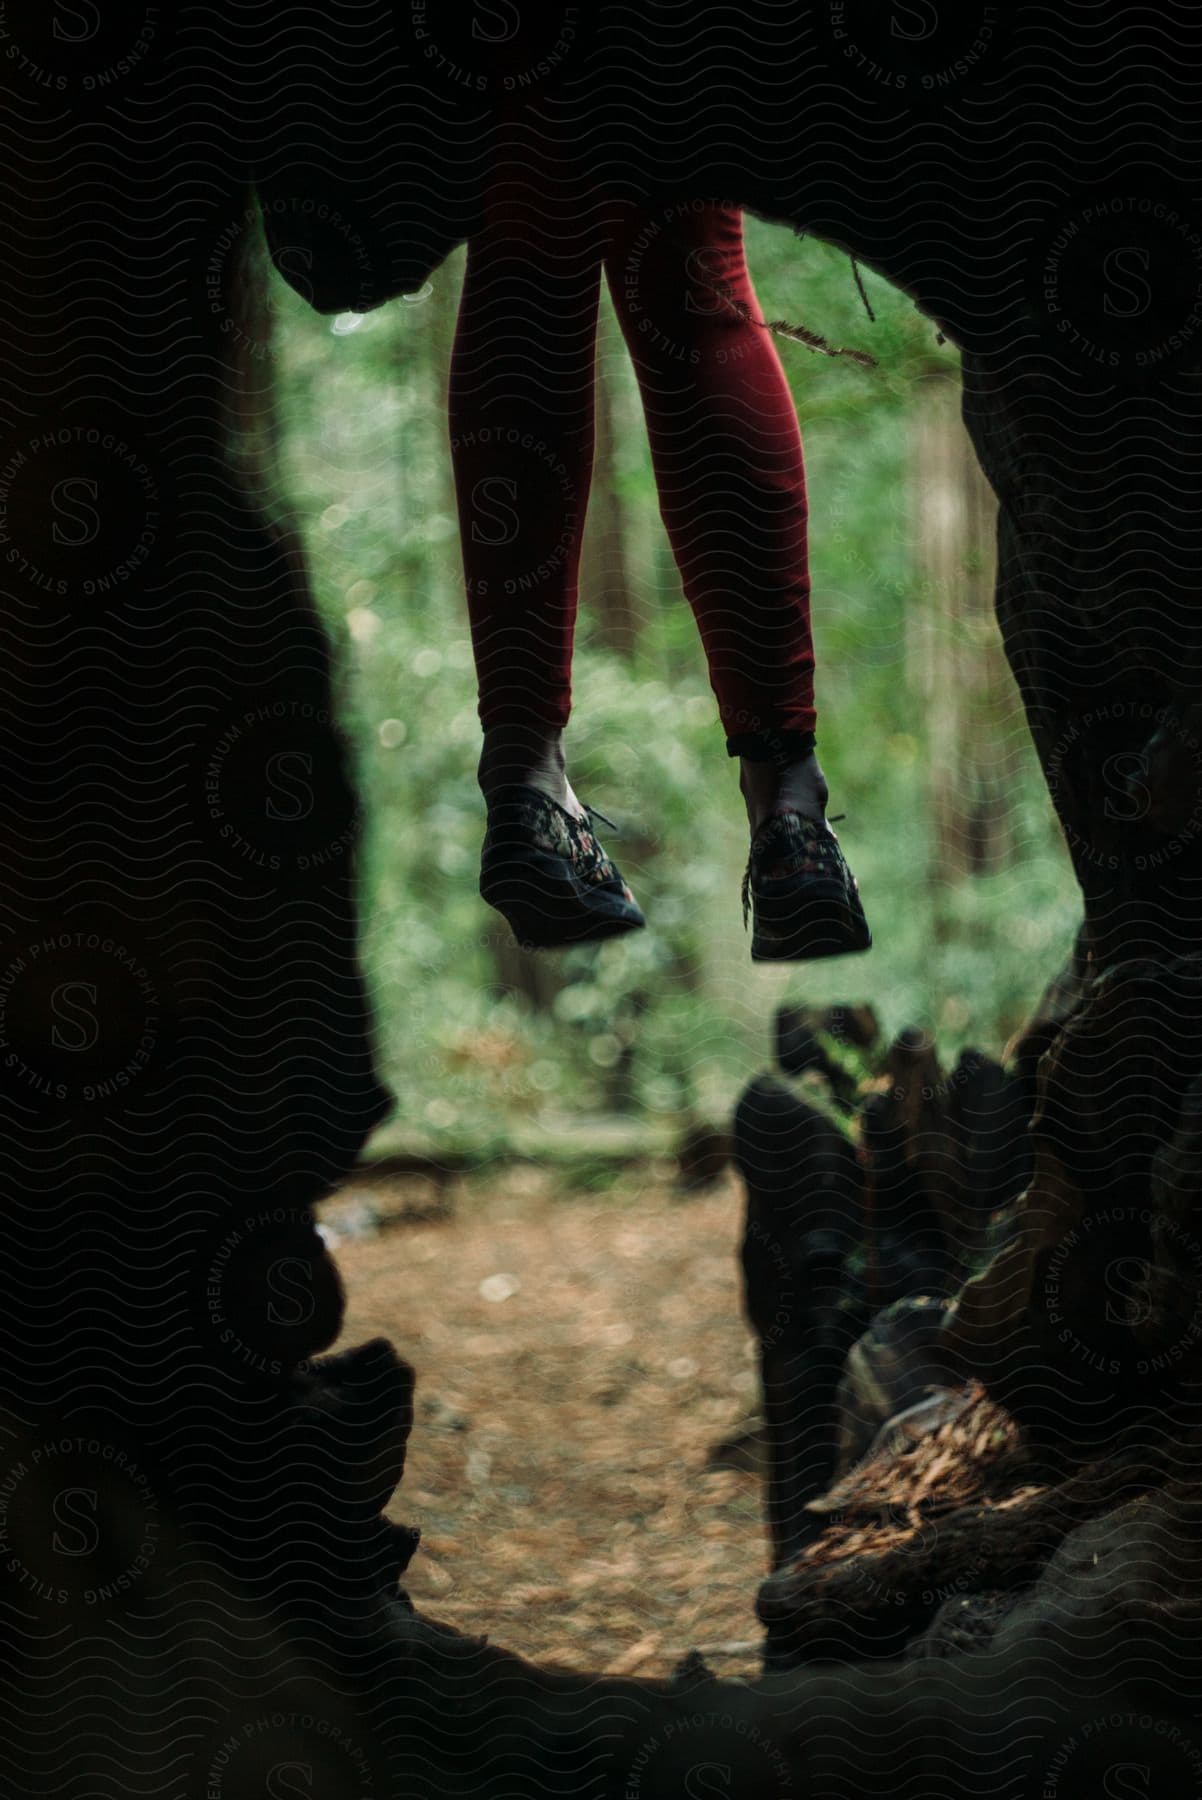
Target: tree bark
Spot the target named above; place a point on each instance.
(960, 667)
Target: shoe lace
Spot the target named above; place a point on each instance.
(836, 819)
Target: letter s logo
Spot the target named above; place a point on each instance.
(1133, 261)
(1120, 772)
(84, 520)
(505, 517)
(295, 264)
(1123, 1276)
(75, 1510)
(509, 25)
(708, 1781)
(285, 773)
(925, 1531)
(285, 1779)
(299, 1294)
(78, 14)
(1127, 1781)
(704, 292)
(83, 1029)
(924, 18)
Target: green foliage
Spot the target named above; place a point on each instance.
(674, 1019)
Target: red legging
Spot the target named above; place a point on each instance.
(725, 446)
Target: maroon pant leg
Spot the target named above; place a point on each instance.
(725, 446)
(727, 454)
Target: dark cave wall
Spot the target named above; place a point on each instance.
(185, 1056)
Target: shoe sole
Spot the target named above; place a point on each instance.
(806, 928)
(810, 945)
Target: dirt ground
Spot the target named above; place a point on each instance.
(577, 1356)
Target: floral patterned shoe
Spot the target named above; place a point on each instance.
(546, 874)
(804, 898)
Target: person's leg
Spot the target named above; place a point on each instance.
(728, 466)
(521, 420)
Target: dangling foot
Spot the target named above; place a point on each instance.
(804, 898)
(545, 873)
(542, 867)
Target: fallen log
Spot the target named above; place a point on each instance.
(963, 1512)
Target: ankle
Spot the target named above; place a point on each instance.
(516, 758)
(798, 787)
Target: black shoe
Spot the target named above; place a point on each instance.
(805, 899)
(546, 874)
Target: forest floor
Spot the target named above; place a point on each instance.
(578, 1356)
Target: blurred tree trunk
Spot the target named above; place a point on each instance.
(424, 327)
(532, 978)
(607, 598)
(957, 663)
